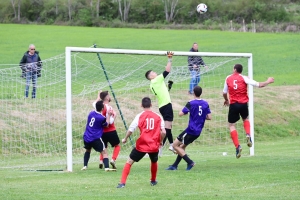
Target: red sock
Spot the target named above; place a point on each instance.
(247, 126)
(101, 157)
(153, 171)
(235, 138)
(116, 152)
(125, 173)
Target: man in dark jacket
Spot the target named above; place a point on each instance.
(31, 66)
(194, 63)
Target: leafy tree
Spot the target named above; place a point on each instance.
(94, 12)
(147, 11)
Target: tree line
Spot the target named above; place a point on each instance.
(97, 12)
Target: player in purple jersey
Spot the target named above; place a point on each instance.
(92, 135)
(199, 112)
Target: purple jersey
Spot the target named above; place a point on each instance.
(94, 126)
(198, 110)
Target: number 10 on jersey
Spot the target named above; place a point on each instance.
(150, 123)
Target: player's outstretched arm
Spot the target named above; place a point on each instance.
(169, 64)
(267, 82)
(128, 134)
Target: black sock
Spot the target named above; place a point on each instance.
(86, 158)
(187, 159)
(164, 141)
(169, 135)
(177, 161)
(105, 162)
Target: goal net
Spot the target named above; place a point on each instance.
(46, 132)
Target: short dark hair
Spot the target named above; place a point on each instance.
(99, 106)
(238, 68)
(103, 95)
(197, 91)
(147, 74)
(146, 102)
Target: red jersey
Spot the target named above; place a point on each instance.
(236, 85)
(111, 125)
(150, 125)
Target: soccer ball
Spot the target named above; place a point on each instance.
(201, 8)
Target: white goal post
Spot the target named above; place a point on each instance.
(68, 55)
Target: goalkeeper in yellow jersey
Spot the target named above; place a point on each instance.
(160, 90)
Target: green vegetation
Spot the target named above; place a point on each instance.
(273, 54)
(273, 173)
(276, 53)
(269, 15)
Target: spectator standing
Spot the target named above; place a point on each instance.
(31, 66)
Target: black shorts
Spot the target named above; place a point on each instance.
(236, 110)
(111, 137)
(98, 145)
(167, 112)
(136, 155)
(187, 138)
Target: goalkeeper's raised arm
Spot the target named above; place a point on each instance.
(160, 90)
(169, 64)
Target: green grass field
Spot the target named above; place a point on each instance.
(273, 173)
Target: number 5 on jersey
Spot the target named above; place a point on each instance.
(200, 110)
(235, 84)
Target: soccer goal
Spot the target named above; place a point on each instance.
(123, 75)
(46, 132)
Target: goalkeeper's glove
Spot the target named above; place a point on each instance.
(170, 83)
(170, 54)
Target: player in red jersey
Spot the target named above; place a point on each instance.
(110, 134)
(236, 85)
(152, 133)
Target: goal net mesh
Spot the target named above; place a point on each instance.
(33, 131)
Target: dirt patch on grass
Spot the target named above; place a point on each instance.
(278, 103)
(286, 96)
